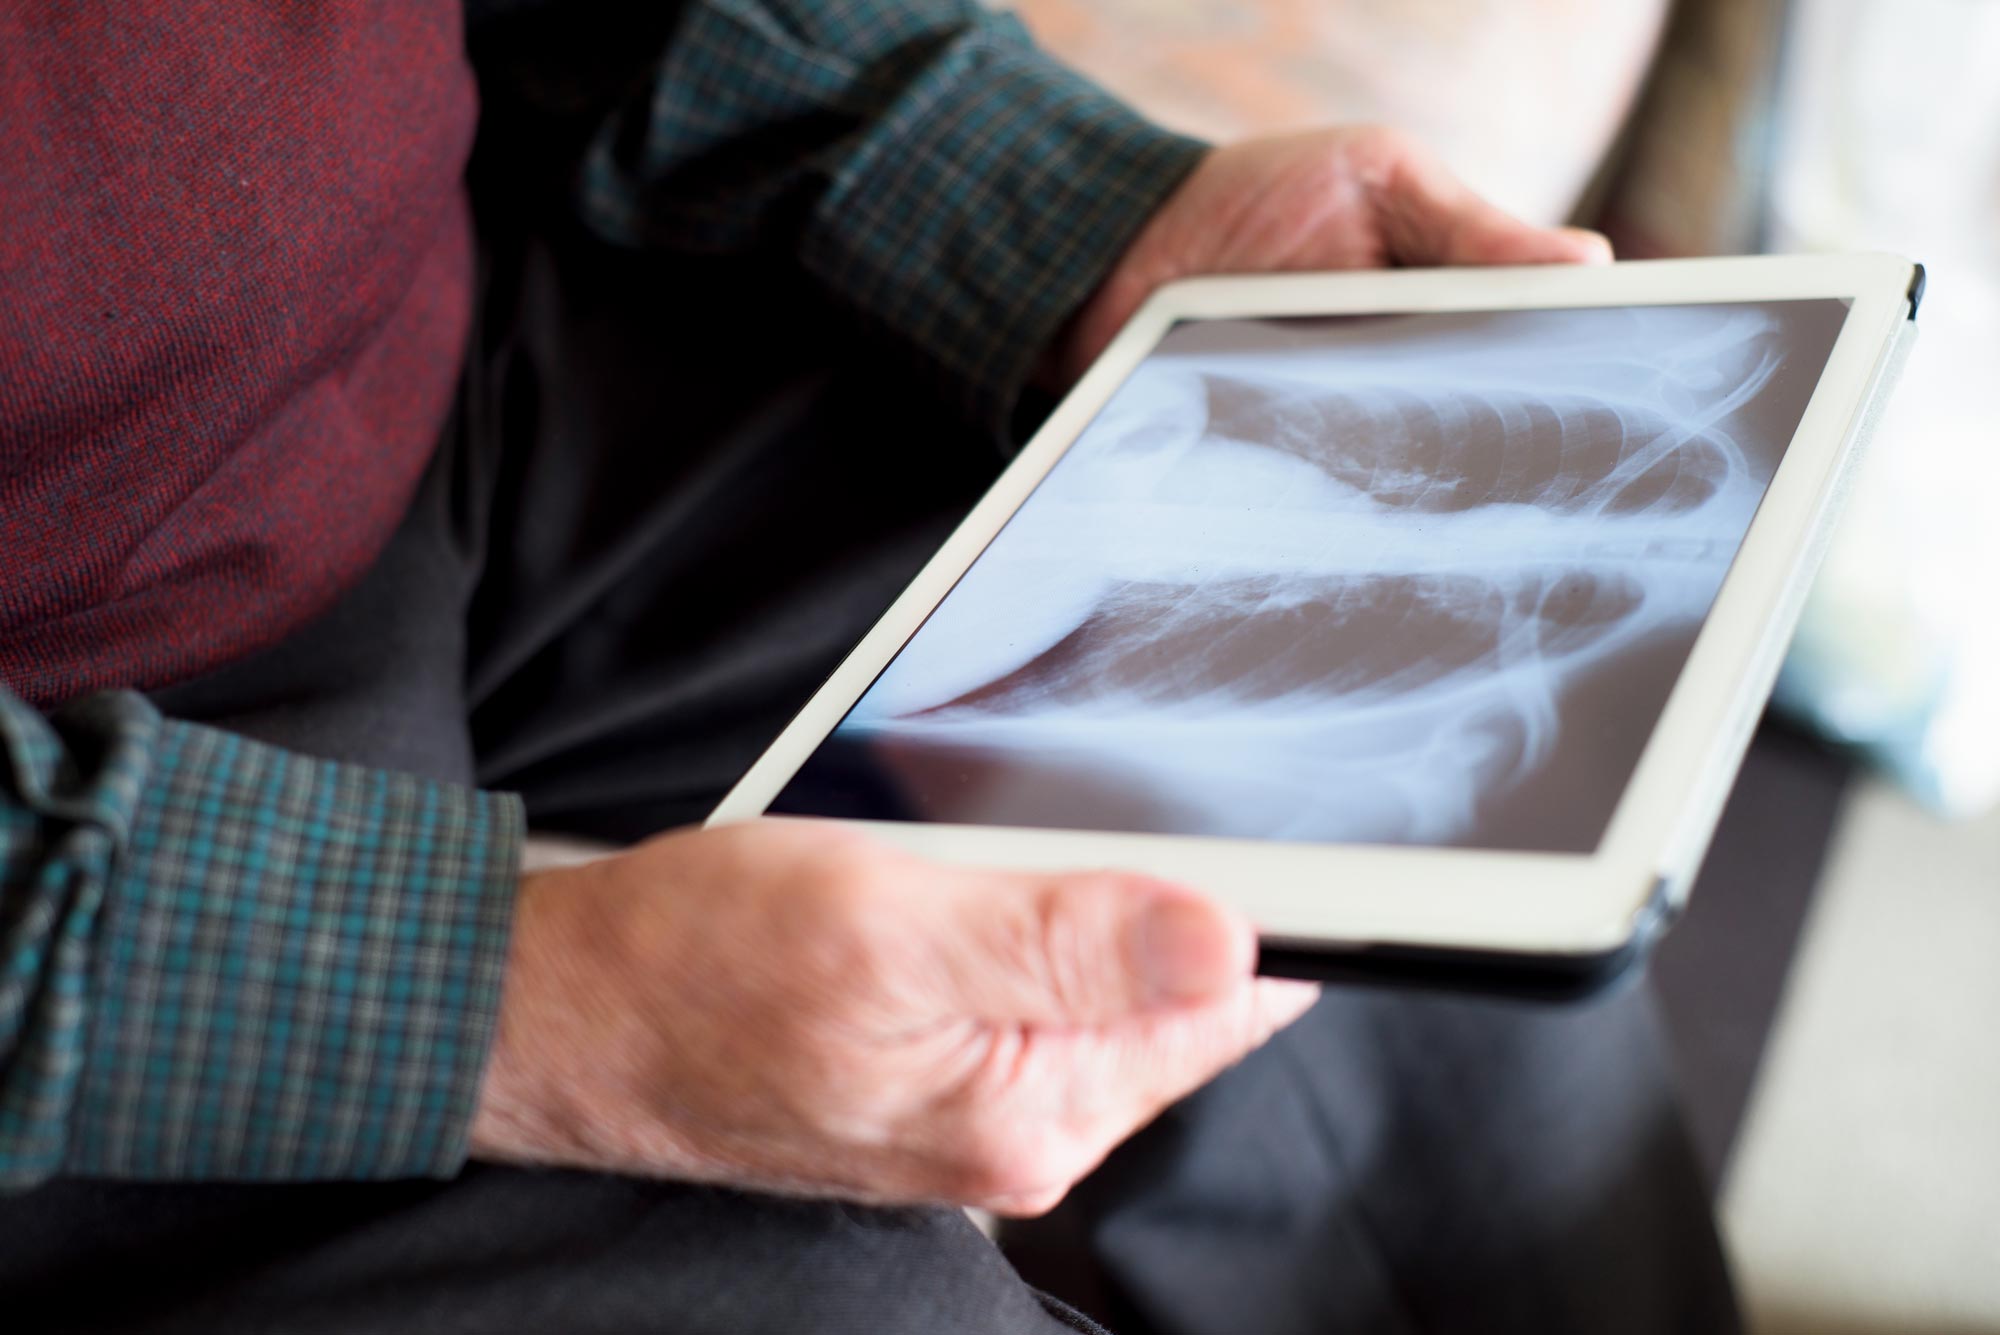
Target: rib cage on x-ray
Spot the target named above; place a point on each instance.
(1419, 579)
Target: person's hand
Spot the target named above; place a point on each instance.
(1358, 198)
(791, 1006)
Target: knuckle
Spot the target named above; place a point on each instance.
(1395, 142)
(844, 921)
(842, 894)
(1384, 151)
(1378, 140)
(1062, 945)
(838, 845)
(841, 884)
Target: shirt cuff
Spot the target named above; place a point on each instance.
(298, 970)
(987, 206)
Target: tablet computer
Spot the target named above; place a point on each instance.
(1424, 615)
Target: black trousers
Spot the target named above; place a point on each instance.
(674, 495)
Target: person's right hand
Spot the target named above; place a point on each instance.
(790, 1006)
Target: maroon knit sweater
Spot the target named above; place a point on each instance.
(235, 285)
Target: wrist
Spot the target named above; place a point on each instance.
(580, 1064)
(1151, 261)
(525, 1111)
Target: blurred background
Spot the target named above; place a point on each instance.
(1834, 993)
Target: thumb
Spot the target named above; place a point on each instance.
(1494, 237)
(1085, 949)
(1429, 216)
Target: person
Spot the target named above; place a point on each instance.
(367, 494)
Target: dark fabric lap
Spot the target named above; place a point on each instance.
(502, 1250)
(1397, 1163)
(674, 497)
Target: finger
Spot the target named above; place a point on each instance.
(1590, 247)
(1158, 1059)
(1497, 237)
(1491, 236)
(1429, 216)
(1026, 1204)
(1127, 1072)
(1280, 1001)
(1074, 1095)
(1082, 949)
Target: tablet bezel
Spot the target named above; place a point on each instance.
(1497, 902)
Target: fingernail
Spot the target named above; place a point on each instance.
(1187, 949)
(1288, 999)
(1598, 244)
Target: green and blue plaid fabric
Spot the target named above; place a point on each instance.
(222, 960)
(947, 183)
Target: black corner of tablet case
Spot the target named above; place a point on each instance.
(1520, 977)
(1917, 280)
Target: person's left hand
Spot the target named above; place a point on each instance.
(1356, 198)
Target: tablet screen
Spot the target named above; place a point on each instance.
(1410, 579)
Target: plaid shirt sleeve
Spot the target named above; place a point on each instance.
(931, 170)
(223, 960)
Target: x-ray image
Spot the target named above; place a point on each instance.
(1417, 579)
